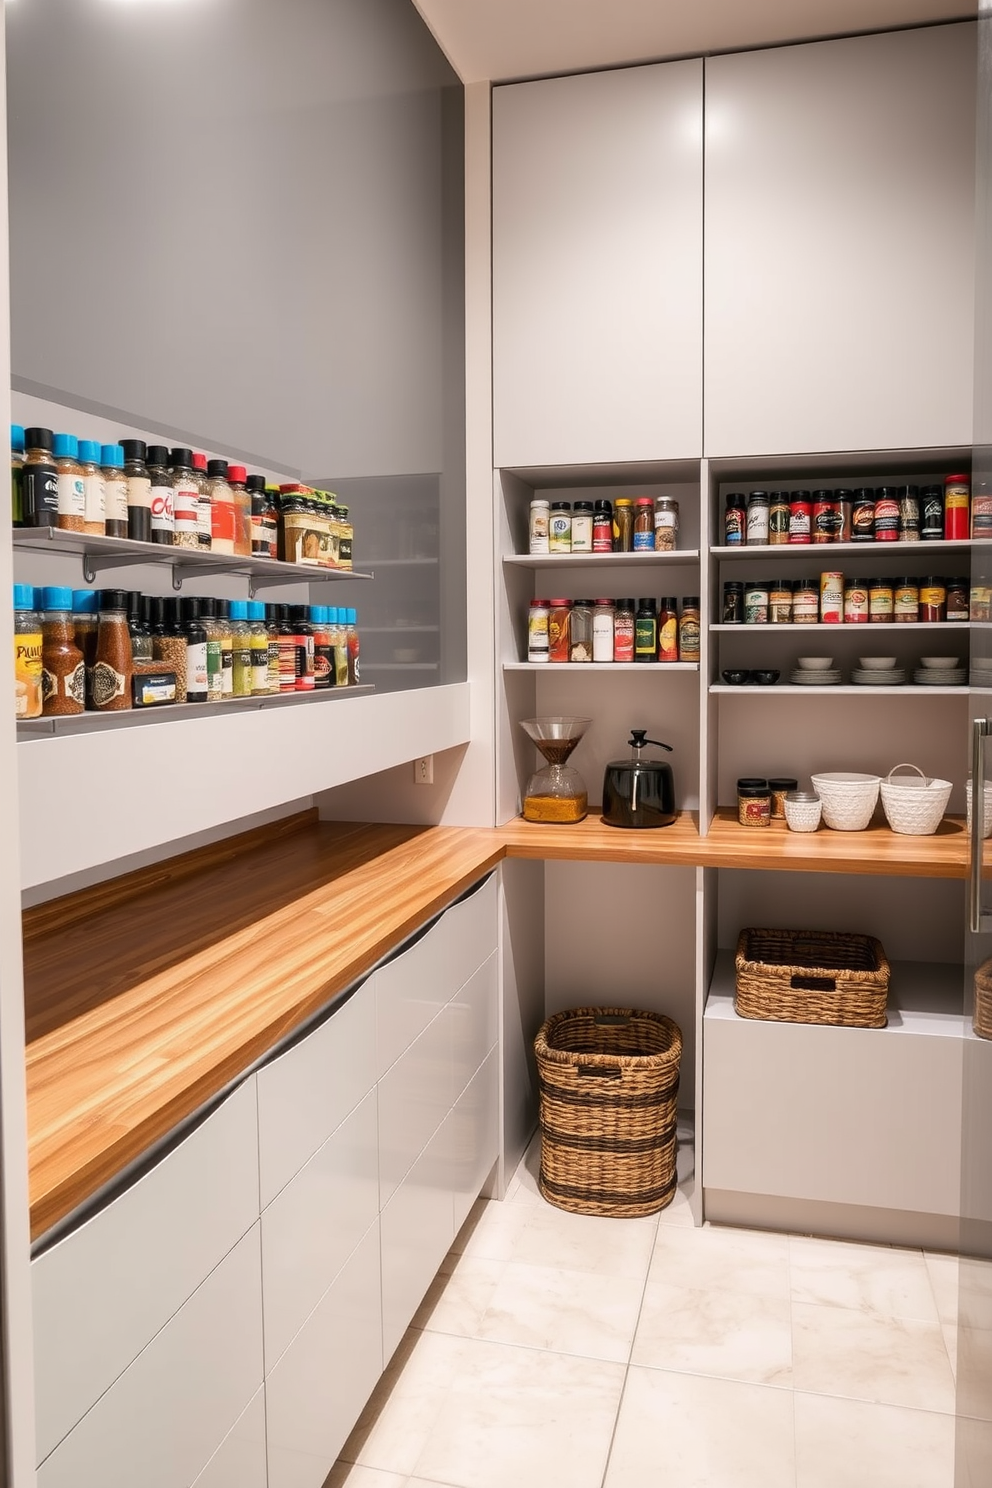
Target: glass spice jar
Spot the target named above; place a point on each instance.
(957, 600)
(933, 599)
(27, 653)
(757, 519)
(185, 499)
(643, 524)
(560, 527)
(623, 525)
(582, 515)
(646, 631)
(113, 667)
(538, 527)
(863, 515)
(881, 601)
(72, 484)
(602, 631)
(909, 513)
(733, 603)
(580, 631)
(845, 501)
(689, 629)
(666, 524)
(203, 515)
(95, 513)
(39, 480)
(932, 513)
(668, 629)
(778, 519)
(780, 602)
(856, 606)
(905, 601)
(163, 516)
(602, 527)
(806, 602)
(735, 520)
(754, 802)
(114, 490)
(756, 603)
(779, 789)
(558, 627)
(624, 622)
(826, 517)
(223, 512)
(800, 518)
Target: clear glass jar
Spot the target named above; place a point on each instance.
(114, 490)
(160, 477)
(602, 630)
(223, 512)
(185, 499)
(580, 631)
(236, 477)
(582, 514)
(95, 514)
(243, 660)
(72, 484)
(540, 516)
(27, 654)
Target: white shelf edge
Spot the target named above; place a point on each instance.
(953, 627)
(595, 560)
(176, 713)
(600, 666)
(846, 689)
(821, 550)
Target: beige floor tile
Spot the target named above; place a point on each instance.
(749, 1261)
(943, 1273)
(867, 1278)
(974, 1372)
(568, 1312)
(689, 1432)
(459, 1295)
(950, 1332)
(861, 1356)
(403, 1407)
(734, 1335)
(850, 1444)
(974, 1453)
(352, 1475)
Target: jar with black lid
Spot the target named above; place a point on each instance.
(40, 480)
(863, 515)
(931, 513)
(909, 513)
(845, 503)
(733, 603)
(806, 602)
(958, 595)
(646, 631)
(602, 527)
(887, 514)
(826, 517)
(778, 789)
(754, 802)
(757, 519)
(778, 519)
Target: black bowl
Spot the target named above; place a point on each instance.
(765, 678)
(735, 678)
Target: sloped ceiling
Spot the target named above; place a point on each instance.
(501, 39)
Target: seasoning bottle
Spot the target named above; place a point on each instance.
(756, 603)
(258, 641)
(223, 513)
(800, 518)
(668, 629)
(215, 677)
(203, 516)
(300, 620)
(623, 630)
(114, 490)
(242, 676)
(806, 602)
(931, 513)
(27, 654)
(733, 603)
(863, 515)
(826, 517)
(845, 503)
(831, 598)
(185, 499)
(222, 611)
(887, 514)
(63, 674)
(560, 527)
(689, 629)
(94, 499)
(160, 495)
(537, 631)
(153, 615)
(140, 635)
(582, 514)
(881, 601)
(580, 631)
(558, 622)
(623, 525)
(666, 524)
(602, 527)
(85, 628)
(354, 648)
(735, 520)
(780, 602)
(169, 643)
(72, 485)
(17, 475)
(288, 657)
(757, 519)
(539, 528)
(272, 629)
(909, 513)
(856, 605)
(646, 631)
(754, 802)
(139, 487)
(40, 480)
(778, 518)
(602, 631)
(339, 637)
(957, 600)
(113, 668)
(236, 477)
(933, 599)
(323, 650)
(905, 601)
(957, 499)
(264, 519)
(197, 653)
(779, 789)
(643, 525)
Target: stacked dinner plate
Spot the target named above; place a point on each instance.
(981, 672)
(815, 671)
(940, 671)
(878, 671)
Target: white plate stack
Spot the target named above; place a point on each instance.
(981, 672)
(815, 671)
(940, 671)
(878, 671)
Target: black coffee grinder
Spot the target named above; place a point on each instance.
(639, 792)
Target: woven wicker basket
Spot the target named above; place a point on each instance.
(982, 1016)
(811, 976)
(609, 1081)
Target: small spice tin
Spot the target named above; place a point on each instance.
(803, 810)
(806, 602)
(863, 515)
(754, 802)
(906, 601)
(756, 604)
(800, 517)
(933, 598)
(779, 789)
(856, 602)
(957, 599)
(826, 517)
(831, 598)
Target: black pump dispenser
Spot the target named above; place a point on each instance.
(638, 792)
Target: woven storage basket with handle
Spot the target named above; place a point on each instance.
(811, 976)
(609, 1081)
(982, 1017)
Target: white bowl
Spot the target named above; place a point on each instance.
(877, 663)
(987, 815)
(940, 661)
(816, 663)
(849, 799)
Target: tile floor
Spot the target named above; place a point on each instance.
(560, 1351)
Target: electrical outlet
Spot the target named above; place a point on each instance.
(423, 770)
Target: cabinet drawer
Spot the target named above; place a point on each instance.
(415, 1095)
(417, 1231)
(316, 1392)
(239, 1461)
(472, 1018)
(473, 1138)
(311, 1228)
(162, 1421)
(413, 987)
(308, 1091)
(104, 1292)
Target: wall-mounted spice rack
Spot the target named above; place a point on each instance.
(97, 723)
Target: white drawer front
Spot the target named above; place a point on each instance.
(473, 1138)
(415, 1095)
(317, 1390)
(308, 1091)
(162, 1421)
(417, 1231)
(101, 1294)
(412, 989)
(472, 1016)
(239, 1461)
(314, 1224)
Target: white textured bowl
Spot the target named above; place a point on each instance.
(849, 799)
(939, 661)
(987, 821)
(877, 663)
(816, 663)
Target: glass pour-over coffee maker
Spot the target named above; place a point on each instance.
(557, 793)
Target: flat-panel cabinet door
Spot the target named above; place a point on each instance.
(473, 1138)
(417, 1231)
(597, 288)
(239, 1461)
(840, 207)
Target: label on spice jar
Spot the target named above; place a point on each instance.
(115, 499)
(668, 639)
(70, 687)
(108, 684)
(754, 811)
(196, 667)
(27, 674)
(163, 517)
(855, 605)
(643, 541)
(72, 495)
(185, 508)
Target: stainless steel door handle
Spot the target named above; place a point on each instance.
(979, 733)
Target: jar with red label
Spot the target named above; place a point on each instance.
(559, 611)
(906, 601)
(623, 630)
(644, 525)
(826, 517)
(933, 599)
(887, 514)
(754, 802)
(881, 601)
(957, 502)
(981, 515)
(800, 517)
(856, 602)
(602, 527)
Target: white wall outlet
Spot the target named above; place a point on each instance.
(423, 770)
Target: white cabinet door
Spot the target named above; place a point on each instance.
(317, 1390)
(239, 1461)
(101, 1294)
(162, 1421)
(473, 1137)
(473, 1016)
(415, 1095)
(417, 1231)
(597, 283)
(840, 203)
(309, 1090)
(314, 1224)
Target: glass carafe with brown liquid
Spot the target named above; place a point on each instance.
(557, 793)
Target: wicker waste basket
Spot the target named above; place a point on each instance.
(982, 1016)
(609, 1083)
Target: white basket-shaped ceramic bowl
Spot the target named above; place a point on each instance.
(987, 822)
(849, 800)
(914, 806)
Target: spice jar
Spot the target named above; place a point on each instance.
(856, 602)
(27, 653)
(236, 477)
(602, 631)
(17, 474)
(582, 527)
(931, 513)
(646, 631)
(933, 599)
(580, 631)
(666, 524)
(185, 499)
(264, 519)
(160, 494)
(94, 501)
(957, 600)
(114, 490)
(733, 603)
(735, 520)
(623, 630)
(203, 516)
(113, 668)
(689, 629)
(169, 647)
(193, 629)
(668, 629)
(780, 602)
(754, 802)
(800, 517)
(909, 513)
(756, 603)
(140, 635)
(602, 527)
(803, 810)
(537, 630)
(887, 514)
(779, 789)
(560, 527)
(85, 628)
(643, 525)
(806, 602)
(757, 519)
(241, 647)
(845, 503)
(72, 485)
(881, 601)
(558, 622)
(623, 525)
(223, 513)
(778, 519)
(863, 515)
(957, 499)
(831, 598)
(63, 674)
(981, 515)
(538, 532)
(905, 601)
(980, 602)
(826, 517)
(39, 483)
